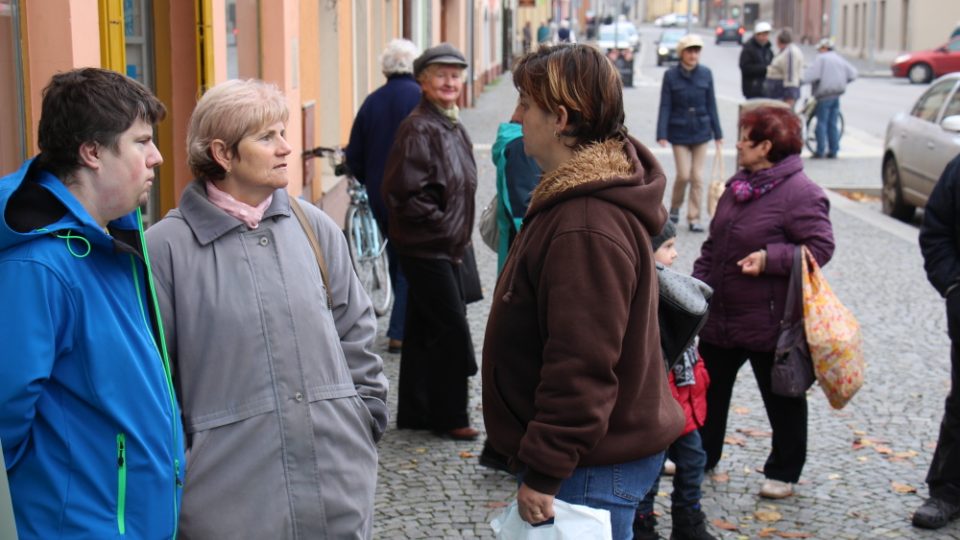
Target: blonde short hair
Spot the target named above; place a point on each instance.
(230, 111)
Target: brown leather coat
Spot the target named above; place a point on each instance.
(429, 185)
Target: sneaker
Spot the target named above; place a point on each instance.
(696, 227)
(669, 468)
(675, 215)
(935, 513)
(775, 489)
(645, 527)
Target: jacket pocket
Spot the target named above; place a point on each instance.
(121, 483)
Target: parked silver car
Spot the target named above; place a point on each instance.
(918, 146)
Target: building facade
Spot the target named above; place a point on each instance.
(883, 29)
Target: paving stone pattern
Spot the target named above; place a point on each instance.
(863, 461)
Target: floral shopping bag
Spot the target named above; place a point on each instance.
(717, 184)
(833, 335)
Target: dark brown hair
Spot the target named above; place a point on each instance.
(89, 105)
(580, 79)
(779, 125)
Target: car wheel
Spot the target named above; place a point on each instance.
(892, 194)
(659, 61)
(920, 73)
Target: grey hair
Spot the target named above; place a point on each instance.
(785, 36)
(398, 57)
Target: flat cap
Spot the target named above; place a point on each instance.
(688, 41)
(443, 53)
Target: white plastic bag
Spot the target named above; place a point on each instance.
(571, 522)
(489, 231)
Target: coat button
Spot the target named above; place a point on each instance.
(264, 240)
(298, 396)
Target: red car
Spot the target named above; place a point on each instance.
(924, 66)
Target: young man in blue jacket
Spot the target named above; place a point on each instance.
(89, 422)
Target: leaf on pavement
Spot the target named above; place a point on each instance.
(785, 534)
(741, 410)
(496, 504)
(758, 433)
(766, 532)
(885, 450)
(466, 454)
(833, 476)
(733, 439)
(908, 454)
(420, 450)
(720, 477)
(902, 488)
(724, 525)
(768, 516)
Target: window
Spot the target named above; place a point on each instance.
(929, 105)
(954, 46)
(243, 39)
(953, 108)
(137, 42)
(12, 129)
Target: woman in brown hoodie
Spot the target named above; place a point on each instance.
(574, 386)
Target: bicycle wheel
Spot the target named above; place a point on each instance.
(810, 138)
(369, 256)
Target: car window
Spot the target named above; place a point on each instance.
(954, 46)
(953, 107)
(930, 103)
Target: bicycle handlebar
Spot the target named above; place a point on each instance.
(336, 155)
(320, 152)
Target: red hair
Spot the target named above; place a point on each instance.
(779, 125)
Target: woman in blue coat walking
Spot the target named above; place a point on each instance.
(688, 120)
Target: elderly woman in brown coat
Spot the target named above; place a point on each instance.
(428, 186)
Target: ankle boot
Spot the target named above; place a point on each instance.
(689, 524)
(645, 527)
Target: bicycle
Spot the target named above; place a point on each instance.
(368, 247)
(808, 110)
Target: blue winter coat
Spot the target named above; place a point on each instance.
(517, 176)
(688, 107)
(373, 132)
(89, 422)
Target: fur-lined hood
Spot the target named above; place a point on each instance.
(625, 174)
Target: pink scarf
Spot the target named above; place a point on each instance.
(251, 215)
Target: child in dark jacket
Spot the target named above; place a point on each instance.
(688, 382)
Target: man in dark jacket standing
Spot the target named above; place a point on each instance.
(940, 245)
(755, 56)
(370, 140)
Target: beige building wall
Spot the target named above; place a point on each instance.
(895, 27)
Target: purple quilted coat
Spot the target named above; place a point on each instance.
(745, 311)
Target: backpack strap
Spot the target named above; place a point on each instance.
(315, 245)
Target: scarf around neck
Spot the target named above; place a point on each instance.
(748, 186)
(250, 215)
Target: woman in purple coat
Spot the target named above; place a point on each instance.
(768, 209)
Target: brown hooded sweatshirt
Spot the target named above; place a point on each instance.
(572, 369)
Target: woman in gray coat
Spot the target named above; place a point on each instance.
(283, 402)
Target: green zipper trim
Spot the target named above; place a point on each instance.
(164, 356)
(121, 483)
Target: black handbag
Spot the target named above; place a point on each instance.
(470, 277)
(792, 373)
(683, 309)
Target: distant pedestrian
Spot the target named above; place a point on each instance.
(829, 75)
(785, 71)
(429, 186)
(565, 33)
(770, 208)
(755, 56)
(88, 406)
(527, 37)
(939, 241)
(688, 120)
(688, 383)
(543, 33)
(371, 138)
(574, 389)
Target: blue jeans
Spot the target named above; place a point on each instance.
(399, 282)
(618, 488)
(688, 455)
(828, 111)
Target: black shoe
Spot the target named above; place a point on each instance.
(645, 527)
(689, 524)
(696, 227)
(831, 156)
(816, 156)
(492, 459)
(675, 216)
(935, 513)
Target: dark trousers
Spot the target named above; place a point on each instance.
(398, 281)
(688, 455)
(437, 354)
(788, 416)
(943, 478)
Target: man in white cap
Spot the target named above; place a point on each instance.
(754, 59)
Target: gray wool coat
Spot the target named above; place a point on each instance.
(282, 399)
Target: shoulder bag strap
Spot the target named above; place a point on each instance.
(793, 310)
(315, 245)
